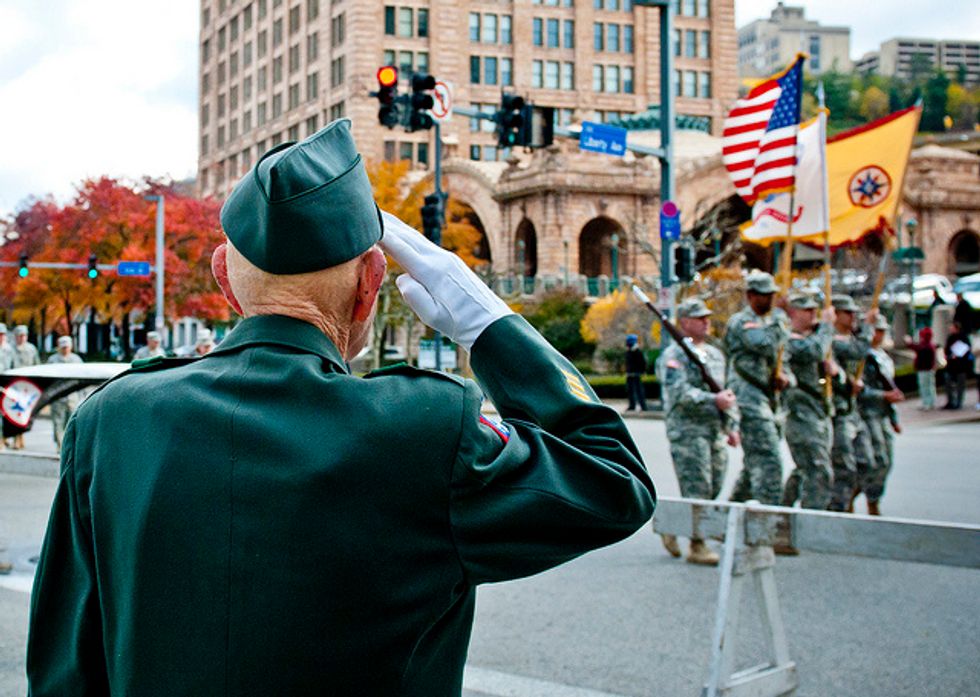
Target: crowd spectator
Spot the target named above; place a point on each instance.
(62, 409)
(636, 366)
(959, 364)
(925, 366)
(963, 314)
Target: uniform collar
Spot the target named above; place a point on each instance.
(282, 331)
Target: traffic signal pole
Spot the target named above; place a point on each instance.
(437, 127)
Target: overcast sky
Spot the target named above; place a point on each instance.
(91, 87)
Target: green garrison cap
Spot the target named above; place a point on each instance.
(304, 206)
(844, 303)
(803, 301)
(693, 307)
(761, 282)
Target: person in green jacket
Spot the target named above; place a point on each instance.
(258, 521)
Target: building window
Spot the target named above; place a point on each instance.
(206, 16)
(597, 78)
(221, 39)
(233, 64)
(612, 37)
(564, 117)
(233, 28)
(389, 151)
(568, 76)
(277, 33)
(490, 29)
(205, 82)
(506, 29)
(311, 125)
(233, 129)
(312, 86)
(628, 80)
(247, 54)
(676, 41)
(206, 51)
(704, 85)
(537, 31)
(474, 26)
(551, 75)
(389, 58)
(690, 43)
(205, 114)
(262, 78)
(262, 43)
(221, 136)
(312, 47)
(475, 70)
(263, 8)
(597, 37)
(221, 73)
(221, 105)
(690, 83)
(405, 61)
(568, 30)
(704, 49)
(475, 152)
(294, 133)
(293, 58)
(490, 70)
(337, 72)
(405, 21)
(537, 76)
(233, 98)
(338, 28)
(204, 144)
(814, 52)
(553, 33)
(704, 8)
(612, 78)
(246, 122)
(423, 19)
(294, 20)
(277, 105)
(422, 62)
(423, 154)
(628, 38)
(390, 21)
(312, 10)
(337, 111)
(277, 70)
(690, 7)
(260, 114)
(506, 72)
(405, 151)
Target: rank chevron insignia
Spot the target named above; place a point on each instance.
(575, 385)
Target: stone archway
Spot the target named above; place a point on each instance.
(463, 213)
(526, 249)
(595, 248)
(964, 253)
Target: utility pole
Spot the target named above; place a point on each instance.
(159, 270)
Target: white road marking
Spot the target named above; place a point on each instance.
(497, 684)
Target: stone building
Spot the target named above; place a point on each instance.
(766, 46)
(277, 70)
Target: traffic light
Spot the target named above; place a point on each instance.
(422, 101)
(93, 266)
(23, 271)
(683, 263)
(511, 121)
(387, 95)
(433, 217)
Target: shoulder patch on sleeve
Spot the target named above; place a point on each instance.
(499, 428)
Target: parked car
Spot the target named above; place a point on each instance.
(926, 287)
(969, 286)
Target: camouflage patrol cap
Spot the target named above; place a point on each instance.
(803, 301)
(20, 330)
(844, 303)
(693, 307)
(881, 322)
(760, 282)
(304, 206)
(153, 336)
(3, 328)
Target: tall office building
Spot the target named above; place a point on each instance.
(277, 70)
(898, 57)
(765, 46)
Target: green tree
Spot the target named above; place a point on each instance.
(934, 102)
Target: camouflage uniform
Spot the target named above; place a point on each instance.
(752, 343)
(877, 416)
(809, 430)
(848, 352)
(6, 350)
(62, 409)
(695, 426)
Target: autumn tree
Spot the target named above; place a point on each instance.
(874, 104)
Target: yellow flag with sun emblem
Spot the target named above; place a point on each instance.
(865, 171)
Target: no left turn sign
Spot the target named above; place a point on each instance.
(442, 96)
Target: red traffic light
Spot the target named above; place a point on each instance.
(388, 76)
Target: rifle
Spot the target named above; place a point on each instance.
(676, 335)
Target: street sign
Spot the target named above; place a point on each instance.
(670, 221)
(442, 98)
(598, 137)
(133, 268)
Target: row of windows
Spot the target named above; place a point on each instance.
(695, 44)
(563, 117)
(606, 37)
(553, 75)
(229, 69)
(688, 83)
(408, 61)
(294, 99)
(230, 31)
(692, 8)
(613, 5)
(549, 32)
(613, 78)
(491, 70)
(406, 21)
(405, 150)
(484, 28)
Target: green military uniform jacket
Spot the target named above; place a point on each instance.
(848, 352)
(805, 400)
(879, 371)
(752, 345)
(261, 522)
(688, 403)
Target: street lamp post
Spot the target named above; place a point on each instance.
(910, 226)
(520, 260)
(614, 241)
(159, 270)
(565, 245)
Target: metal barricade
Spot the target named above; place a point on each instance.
(749, 532)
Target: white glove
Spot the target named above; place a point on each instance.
(439, 287)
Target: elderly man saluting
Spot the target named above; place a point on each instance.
(331, 539)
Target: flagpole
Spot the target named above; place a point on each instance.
(828, 287)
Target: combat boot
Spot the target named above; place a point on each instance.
(850, 504)
(670, 544)
(785, 550)
(699, 553)
(873, 508)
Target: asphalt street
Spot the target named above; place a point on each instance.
(629, 620)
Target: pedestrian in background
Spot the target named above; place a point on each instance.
(699, 421)
(959, 364)
(152, 348)
(204, 344)
(925, 367)
(62, 409)
(636, 367)
(25, 354)
(6, 350)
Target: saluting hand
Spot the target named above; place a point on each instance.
(439, 287)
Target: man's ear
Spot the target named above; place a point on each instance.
(219, 268)
(370, 276)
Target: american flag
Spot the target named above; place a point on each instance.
(759, 136)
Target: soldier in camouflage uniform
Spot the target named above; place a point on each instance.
(809, 429)
(876, 406)
(699, 421)
(849, 348)
(752, 340)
